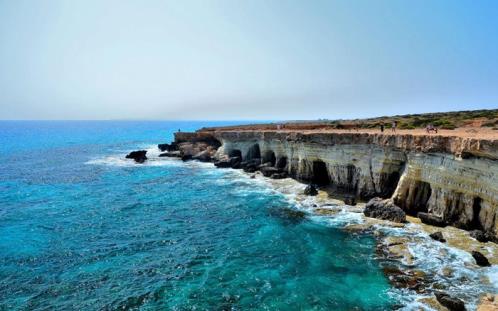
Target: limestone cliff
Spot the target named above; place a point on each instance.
(451, 177)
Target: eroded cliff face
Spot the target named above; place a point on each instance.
(450, 177)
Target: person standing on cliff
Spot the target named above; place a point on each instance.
(394, 125)
(382, 127)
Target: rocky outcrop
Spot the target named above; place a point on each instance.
(168, 147)
(438, 236)
(139, 156)
(481, 236)
(489, 302)
(452, 303)
(310, 190)
(385, 210)
(480, 259)
(432, 220)
(446, 178)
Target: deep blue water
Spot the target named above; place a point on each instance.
(83, 229)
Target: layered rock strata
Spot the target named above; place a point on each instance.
(452, 178)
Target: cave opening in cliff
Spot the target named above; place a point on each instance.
(235, 153)
(253, 152)
(269, 156)
(320, 175)
(281, 163)
(415, 198)
(389, 182)
(476, 209)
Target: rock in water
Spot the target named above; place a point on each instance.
(203, 156)
(268, 171)
(479, 235)
(453, 304)
(279, 175)
(168, 147)
(350, 200)
(481, 260)
(438, 236)
(432, 220)
(139, 156)
(233, 162)
(186, 157)
(310, 190)
(384, 209)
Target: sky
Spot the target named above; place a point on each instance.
(245, 60)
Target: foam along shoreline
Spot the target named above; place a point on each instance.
(451, 178)
(416, 265)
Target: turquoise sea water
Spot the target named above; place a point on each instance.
(83, 229)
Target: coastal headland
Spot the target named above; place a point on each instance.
(446, 182)
(451, 175)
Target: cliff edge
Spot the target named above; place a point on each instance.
(451, 177)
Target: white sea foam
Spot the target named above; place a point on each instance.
(466, 280)
(119, 159)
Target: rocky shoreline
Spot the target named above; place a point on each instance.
(395, 251)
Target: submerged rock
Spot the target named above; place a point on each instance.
(432, 220)
(438, 236)
(139, 156)
(384, 209)
(287, 215)
(452, 303)
(310, 190)
(481, 260)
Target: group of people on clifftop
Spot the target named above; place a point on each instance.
(393, 126)
(429, 128)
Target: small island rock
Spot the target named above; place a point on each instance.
(139, 156)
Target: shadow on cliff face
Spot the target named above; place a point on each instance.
(414, 198)
(253, 153)
(320, 173)
(235, 153)
(269, 156)
(476, 209)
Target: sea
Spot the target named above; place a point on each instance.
(83, 228)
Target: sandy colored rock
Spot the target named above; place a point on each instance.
(488, 302)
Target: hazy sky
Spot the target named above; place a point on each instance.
(245, 59)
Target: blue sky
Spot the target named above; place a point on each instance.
(245, 59)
